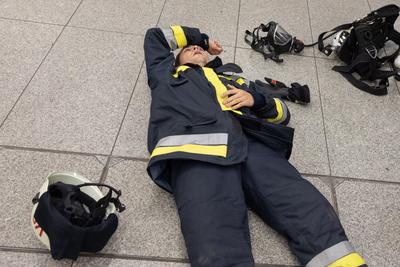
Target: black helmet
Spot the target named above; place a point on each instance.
(71, 215)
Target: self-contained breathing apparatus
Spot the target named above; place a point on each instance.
(357, 44)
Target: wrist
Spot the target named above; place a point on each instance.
(205, 45)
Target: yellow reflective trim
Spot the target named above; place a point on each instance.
(351, 260)
(220, 88)
(279, 109)
(220, 150)
(178, 69)
(180, 36)
(225, 77)
(240, 81)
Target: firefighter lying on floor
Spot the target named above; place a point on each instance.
(220, 147)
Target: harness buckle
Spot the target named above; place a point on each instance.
(372, 51)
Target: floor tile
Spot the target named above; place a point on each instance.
(208, 16)
(132, 140)
(370, 213)
(129, 16)
(77, 99)
(150, 225)
(23, 47)
(361, 128)
(309, 150)
(48, 11)
(23, 173)
(20, 259)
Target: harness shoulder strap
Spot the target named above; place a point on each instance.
(381, 89)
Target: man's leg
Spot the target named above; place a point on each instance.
(213, 213)
(290, 204)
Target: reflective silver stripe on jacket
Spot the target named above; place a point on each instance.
(195, 139)
(170, 37)
(331, 254)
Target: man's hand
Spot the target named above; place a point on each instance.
(237, 98)
(214, 47)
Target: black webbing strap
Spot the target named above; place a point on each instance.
(103, 202)
(378, 75)
(381, 89)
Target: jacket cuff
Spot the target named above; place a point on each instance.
(205, 41)
(259, 100)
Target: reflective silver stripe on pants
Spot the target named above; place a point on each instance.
(170, 37)
(195, 139)
(331, 254)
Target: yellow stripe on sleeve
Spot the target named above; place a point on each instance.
(180, 36)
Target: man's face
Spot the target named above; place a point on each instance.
(193, 54)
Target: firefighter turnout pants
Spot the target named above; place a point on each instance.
(212, 203)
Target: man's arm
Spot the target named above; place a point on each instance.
(158, 44)
(274, 110)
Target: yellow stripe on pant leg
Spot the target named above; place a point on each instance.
(220, 150)
(180, 36)
(351, 260)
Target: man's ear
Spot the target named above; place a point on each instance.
(178, 58)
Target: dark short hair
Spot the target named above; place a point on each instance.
(177, 59)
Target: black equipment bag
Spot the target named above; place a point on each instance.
(360, 49)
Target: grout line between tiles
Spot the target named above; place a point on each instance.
(333, 193)
(146, 160)
(134, 257)
(237, 31)
(131, 158)
(127, 107)
(51, 151)
(24, 250)
(346, 178)
(274, 265)
(369, 5)
(100, 30)
(120, 256)
(37, 69)
(107, 165)
(320, 96)
(397, 86)
(109, 157)
(99, 161)
(32, 21)
(162, 10)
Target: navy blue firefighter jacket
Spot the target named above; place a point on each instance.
(187, 117)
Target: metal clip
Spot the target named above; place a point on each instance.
(372, 51)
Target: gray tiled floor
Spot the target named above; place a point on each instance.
(46, 11)
(23, 47)
(74, 97)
